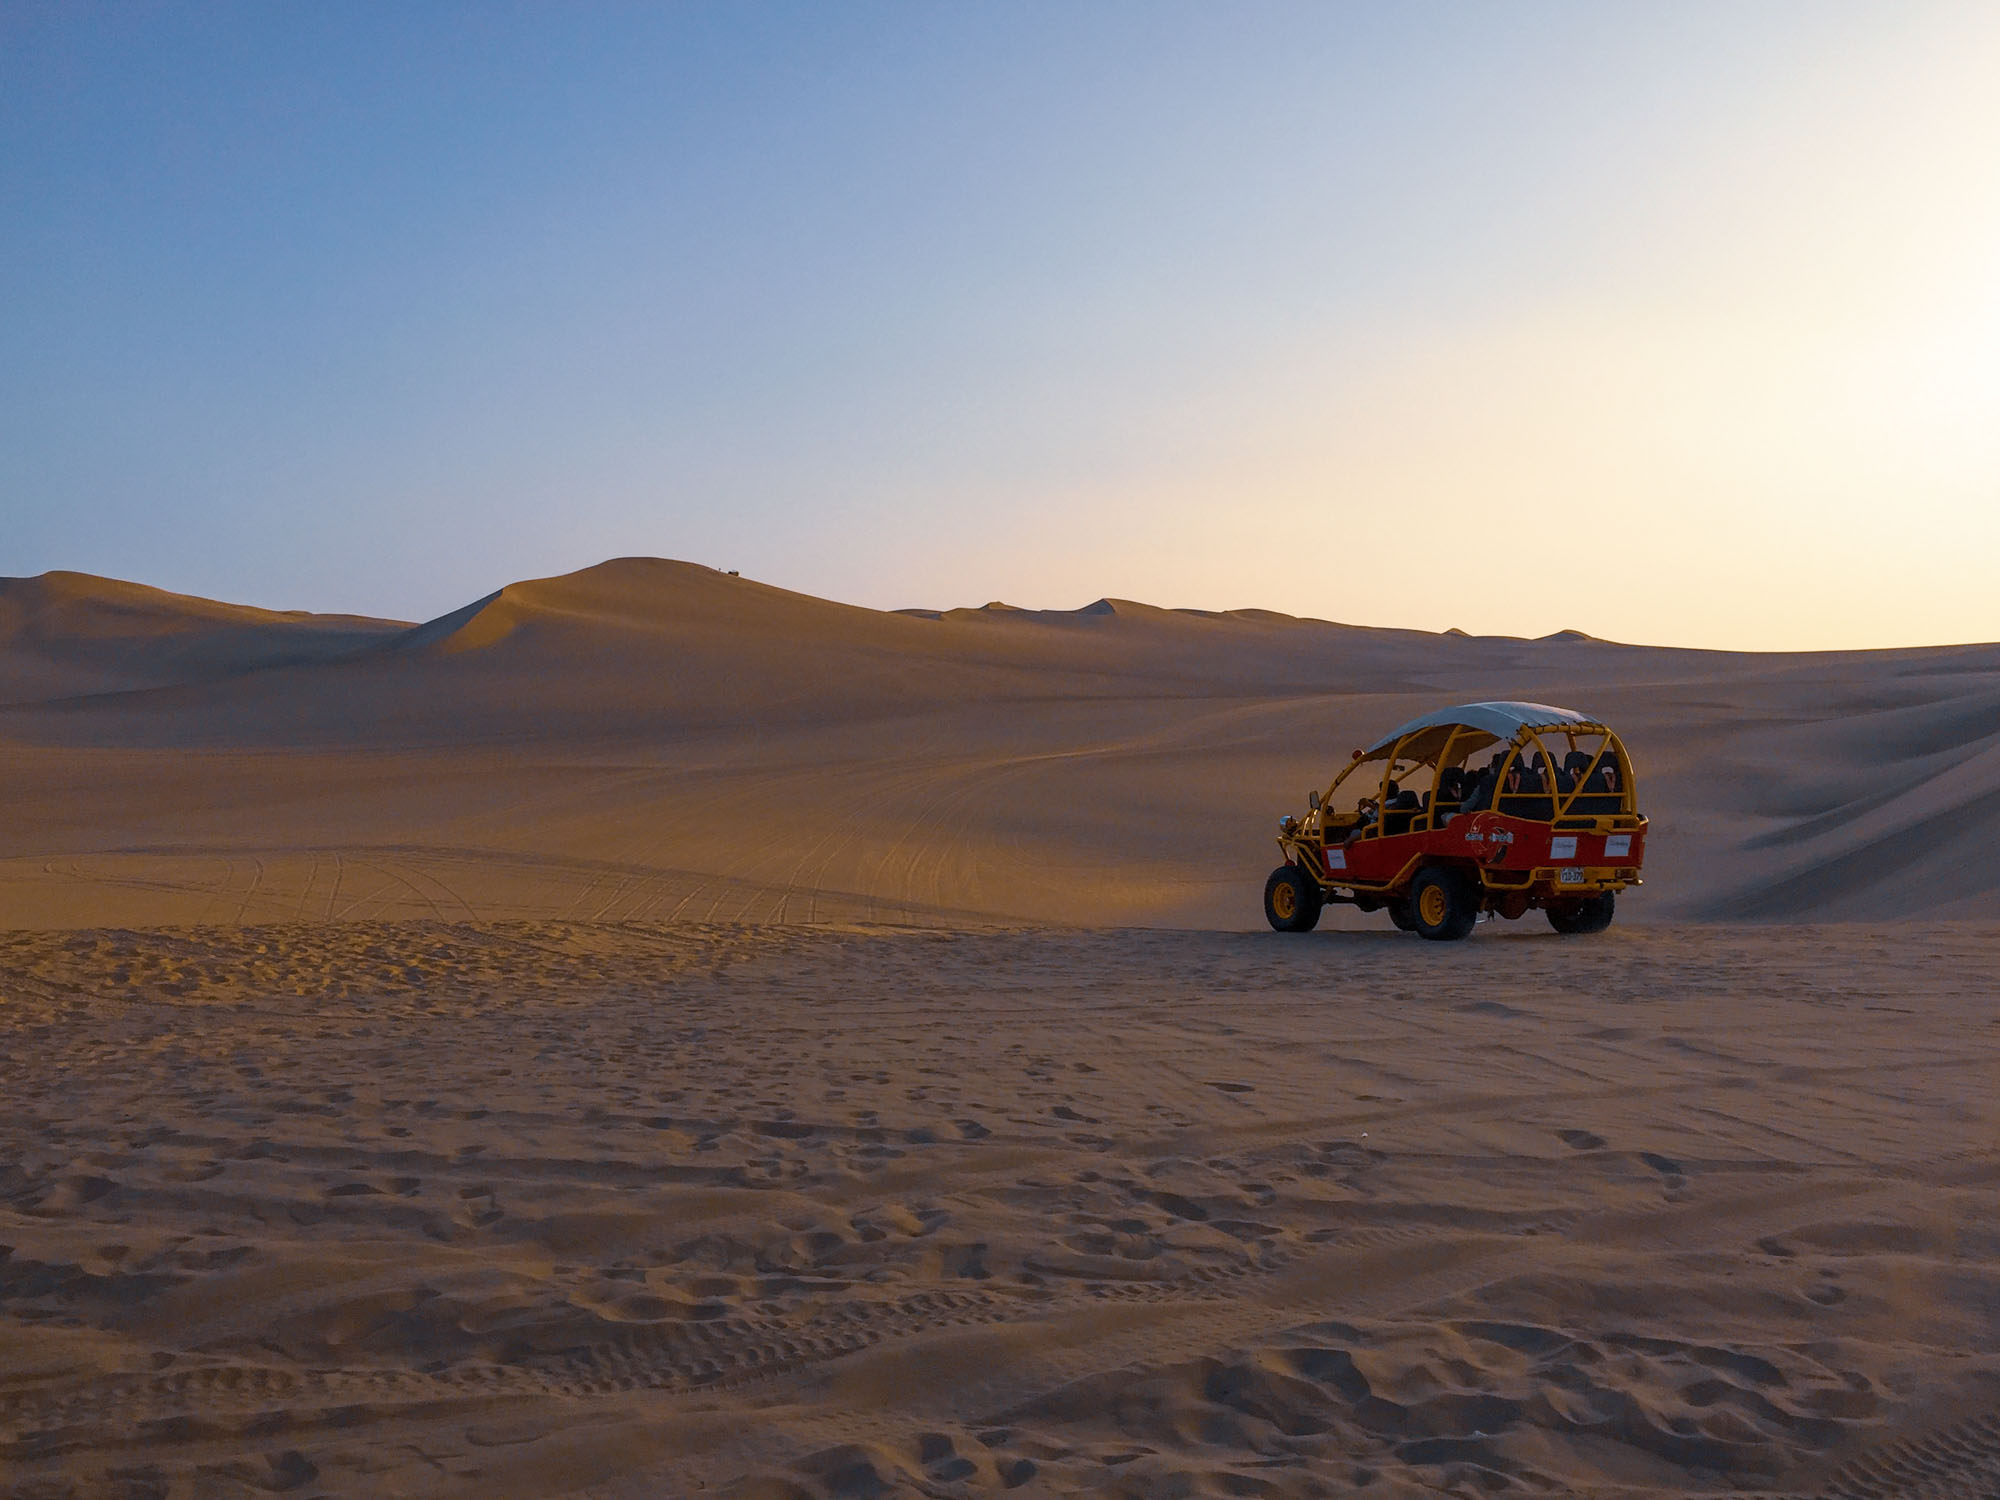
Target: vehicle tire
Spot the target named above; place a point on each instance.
(1400, 914)
(1585, 914)
(1443, 905)
(1292, 900)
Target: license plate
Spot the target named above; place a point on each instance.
(1571, 876)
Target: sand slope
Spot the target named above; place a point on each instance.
(654, 739)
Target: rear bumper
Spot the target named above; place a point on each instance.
(1557, 881)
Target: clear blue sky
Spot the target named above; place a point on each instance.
(1675, 322)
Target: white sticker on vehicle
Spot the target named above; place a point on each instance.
(1563, 848)
(1336, 859)
(1618, 846)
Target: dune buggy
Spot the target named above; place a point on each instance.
(1482, 807)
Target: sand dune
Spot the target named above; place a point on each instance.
(650, 738)
(69, 634)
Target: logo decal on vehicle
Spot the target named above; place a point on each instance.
(1336, 859)
(1563, 848)
(1618, 846)
(1497, 840)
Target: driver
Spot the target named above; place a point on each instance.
(1369, 813)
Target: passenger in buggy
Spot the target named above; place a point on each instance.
(1450, 794)
(1598, 787)
(1575, 766)
(1480, 788)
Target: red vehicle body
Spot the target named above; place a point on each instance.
(1499, 807)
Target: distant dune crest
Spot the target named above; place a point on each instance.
(66, 634)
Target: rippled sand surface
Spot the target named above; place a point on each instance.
(627, 1209)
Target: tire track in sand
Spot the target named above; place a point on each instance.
(1027, 1344)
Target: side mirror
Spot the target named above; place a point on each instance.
(1312, 798)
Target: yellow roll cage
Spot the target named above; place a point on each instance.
(1442, 746)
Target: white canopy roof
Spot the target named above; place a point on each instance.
(1501, 720)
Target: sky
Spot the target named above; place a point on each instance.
(1675, 323)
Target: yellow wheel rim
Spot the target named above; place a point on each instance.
(1431, 906)
(1284, 900)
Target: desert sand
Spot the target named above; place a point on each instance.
(648, 1033)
